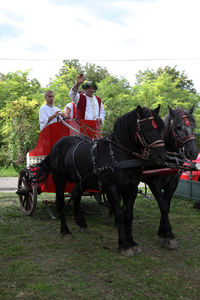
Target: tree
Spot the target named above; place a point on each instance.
(17, 84)
(184, 82)
(91, 72)
(18, 94)
(117, 99)
(95, 73)
(20, 129)
(71, 64)
(165, 87)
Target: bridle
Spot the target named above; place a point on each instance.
(139, 136)
(181, 141)
(146, 147)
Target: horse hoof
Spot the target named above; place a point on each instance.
(67, 236)
(137, 249)
(84, 230)
(169, 243)
(128, 252)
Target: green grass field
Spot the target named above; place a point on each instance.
(36, 263)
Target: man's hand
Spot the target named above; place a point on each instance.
(99, 121)
(62, 115)
(57, 113)
(80, 79)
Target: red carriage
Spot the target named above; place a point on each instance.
(194, 175)
(27, 191)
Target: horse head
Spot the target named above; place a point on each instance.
(181, 124)
(149, 131)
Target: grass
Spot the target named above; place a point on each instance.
(36, 263)
(8, 171)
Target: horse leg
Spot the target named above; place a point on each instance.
(129, 200)
(169, 189)
(114, 199)
(79, 216)
(60, 203)
(165, 230)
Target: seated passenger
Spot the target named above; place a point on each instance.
(89, 107)
(48, 113)
(70, 110)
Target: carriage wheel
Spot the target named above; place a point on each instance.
(27, 192)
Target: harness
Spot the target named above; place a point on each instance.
(181, 141)
(98, 170)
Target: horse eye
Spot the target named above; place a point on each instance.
(179, 127)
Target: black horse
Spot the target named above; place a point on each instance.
(179, 142)
(93, 164)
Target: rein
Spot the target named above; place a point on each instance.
(139, 136)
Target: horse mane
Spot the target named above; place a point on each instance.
(125, 126)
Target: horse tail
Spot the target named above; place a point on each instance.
(41, 170)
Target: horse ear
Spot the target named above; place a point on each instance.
(191, 110)
(157, 109)
(171, 111)
(139, 109)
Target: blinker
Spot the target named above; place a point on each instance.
(154, 124)
(186, 120)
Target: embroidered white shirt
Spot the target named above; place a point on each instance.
(92, 106)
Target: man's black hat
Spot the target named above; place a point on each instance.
(89, 84)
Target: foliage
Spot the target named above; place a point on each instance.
(166, 88)
(70, 64)
(116, 97)
(95, 73)
(19, 134)
(15, 85)
(91, 72)
(184, 82)
(20, 99)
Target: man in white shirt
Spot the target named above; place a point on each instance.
(89, 107)
(48, 113)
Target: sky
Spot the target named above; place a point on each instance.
(121, 36)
